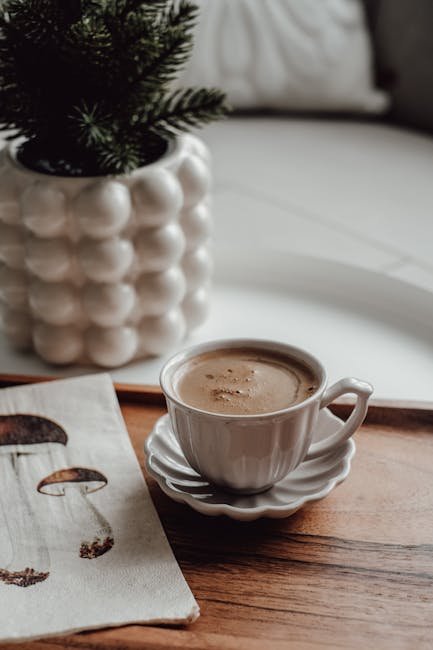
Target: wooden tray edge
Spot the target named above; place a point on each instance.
(128, 392)
(385, 412)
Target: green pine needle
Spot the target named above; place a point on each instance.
(186, 109)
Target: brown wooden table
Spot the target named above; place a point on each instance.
(352, 571)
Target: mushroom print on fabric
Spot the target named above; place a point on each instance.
(75, 484)
(21, 436)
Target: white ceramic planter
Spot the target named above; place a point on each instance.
(105, 269)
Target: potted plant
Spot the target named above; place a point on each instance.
(104, 210)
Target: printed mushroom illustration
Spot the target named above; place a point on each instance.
(21, 436)
(75, 484)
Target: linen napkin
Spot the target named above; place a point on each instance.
(81, 545)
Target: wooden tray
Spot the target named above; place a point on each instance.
(352, 571)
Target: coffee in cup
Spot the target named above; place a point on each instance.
(244, 381)
(247, 449)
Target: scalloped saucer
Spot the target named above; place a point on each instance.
(311, 481)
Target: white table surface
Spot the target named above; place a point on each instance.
(357, 322)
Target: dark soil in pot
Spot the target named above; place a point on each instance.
(51, 159)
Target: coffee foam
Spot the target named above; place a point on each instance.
(243, 381)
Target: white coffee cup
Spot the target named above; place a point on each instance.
(249, 453)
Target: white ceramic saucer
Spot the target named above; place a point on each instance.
(311, 481)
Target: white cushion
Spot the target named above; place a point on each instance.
(285, 54)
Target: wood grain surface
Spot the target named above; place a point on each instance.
(352, 571)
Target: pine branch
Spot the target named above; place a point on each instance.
(182, 14)
(88, 80)
(93, 127)
(185, 109)
(119, 158)
(149, 7)
(175, 48)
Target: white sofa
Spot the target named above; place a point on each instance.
(359, 192)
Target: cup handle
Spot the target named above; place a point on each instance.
(362, 390)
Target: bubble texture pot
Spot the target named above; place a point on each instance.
(106, 269)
